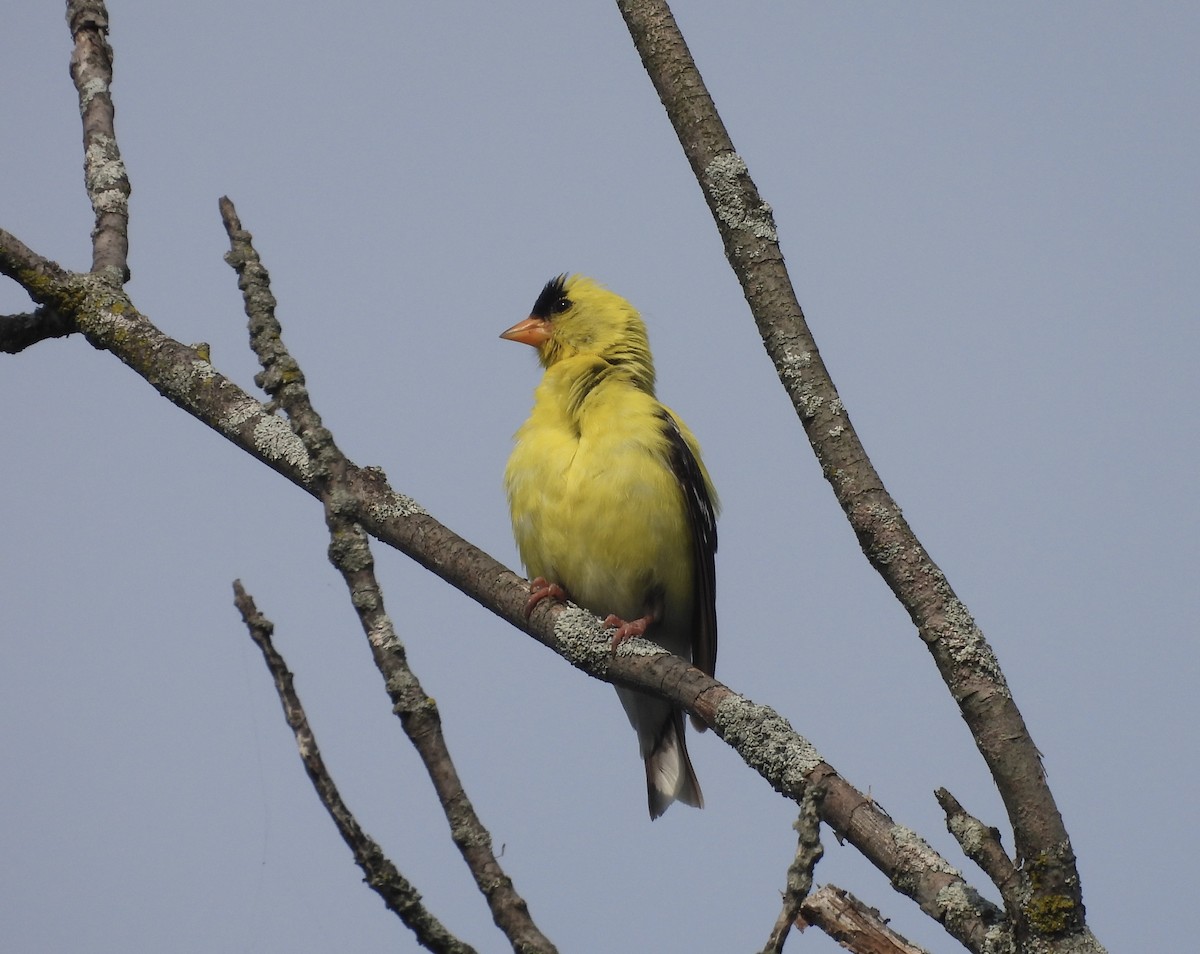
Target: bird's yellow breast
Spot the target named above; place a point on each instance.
(596, 507)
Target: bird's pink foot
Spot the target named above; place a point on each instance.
(627, 630)
(540, 589)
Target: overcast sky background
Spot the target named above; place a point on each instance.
(992, 218)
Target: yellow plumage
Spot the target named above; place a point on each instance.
(611, 502)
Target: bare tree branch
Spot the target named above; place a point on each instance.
(350, 553)
(29, 269)
(32, 272)
(380, 874)
(981, 843)
(103, 170)
(1054, 903)
(852, 924)
(18, 332)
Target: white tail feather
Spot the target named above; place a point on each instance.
(669, 773)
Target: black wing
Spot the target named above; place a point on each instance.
(702, 520)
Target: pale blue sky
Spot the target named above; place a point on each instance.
(991, 215)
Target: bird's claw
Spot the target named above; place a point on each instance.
(627, 629)
(540, 589)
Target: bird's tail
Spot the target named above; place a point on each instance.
(669, 773)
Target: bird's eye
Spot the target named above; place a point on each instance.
(561, 305)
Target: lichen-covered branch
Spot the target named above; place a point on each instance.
(800, 871)
(981, 843)
(383, 877)
(103, 169)
(41, 278)
(770, 746)
(962, 655)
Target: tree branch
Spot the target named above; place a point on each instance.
(854, 925)
(350, 553)
(18, 332)
(966, 662)
(103, 170)
(380, 874)
(981, 843)
(37, 275)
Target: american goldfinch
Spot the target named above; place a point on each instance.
(612, 506)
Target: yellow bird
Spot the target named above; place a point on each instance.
(612, 506)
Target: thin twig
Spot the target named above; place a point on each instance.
(350, 552)
(962, 655)
(800, 871)
(396, 891)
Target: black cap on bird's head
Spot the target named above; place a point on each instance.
(553, 298)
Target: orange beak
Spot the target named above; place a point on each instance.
(532, 331)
